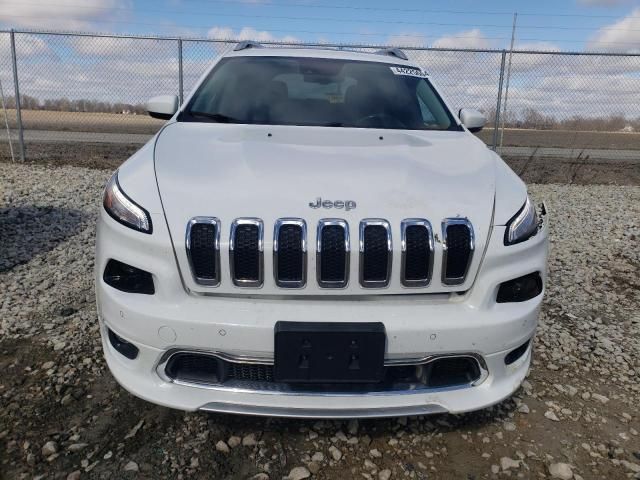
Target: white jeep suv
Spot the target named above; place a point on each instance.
(315, 233)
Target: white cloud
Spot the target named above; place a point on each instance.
(621, 36)
(467, 39)
(123, 47)
(247, 33)
(61, 14)
(603, 3)
(27, 45)
(538, 46)
(407, 39)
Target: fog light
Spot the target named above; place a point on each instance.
(127, 278)
(520, 289)
(127, 349)
(516, 353)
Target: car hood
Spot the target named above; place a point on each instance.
(269, 172)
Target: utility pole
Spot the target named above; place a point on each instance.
(16, 88)
(506, 91)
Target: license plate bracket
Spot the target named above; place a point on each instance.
(325, 352)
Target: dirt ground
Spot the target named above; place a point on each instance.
(531, 170)
(117, 123)
(514, 137)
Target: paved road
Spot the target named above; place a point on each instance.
(136, 138)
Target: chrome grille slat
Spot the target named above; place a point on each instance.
(202, 241)
(290, 252)
(417, 252)
(246, 246)
(332, 253)
(458, 245)
(376, 253)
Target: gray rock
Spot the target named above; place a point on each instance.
(550, 414)
(222, 446)
(76, 447)
(561, 470)
(384, 474)
(507, 463)
(131, 467)
(600, 398)
(249, 440)
(335, 453)
(49, 448)
(299, 473)
(375, 453)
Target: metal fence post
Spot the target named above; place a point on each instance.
(180, 72)
(17, 93)
(497, 119)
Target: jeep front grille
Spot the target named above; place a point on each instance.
(246, 252)
(332, 253)
(458, 245)
(417, 245)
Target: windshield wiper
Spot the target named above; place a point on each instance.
(216, 117)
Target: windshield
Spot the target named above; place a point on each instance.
(318, 92)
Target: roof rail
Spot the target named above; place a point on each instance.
(393, 52)
(246, 44)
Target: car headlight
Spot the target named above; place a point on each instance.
(523, 225)
(123, 209)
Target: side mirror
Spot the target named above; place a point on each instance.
(163, 106)
(472, 119)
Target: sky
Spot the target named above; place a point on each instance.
(609, 25)
(132, 70)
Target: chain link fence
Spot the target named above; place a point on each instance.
(90, 90)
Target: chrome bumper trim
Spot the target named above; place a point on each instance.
(222, 407)
(161, 371)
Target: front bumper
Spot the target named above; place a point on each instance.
(141, 379)
(243, 325)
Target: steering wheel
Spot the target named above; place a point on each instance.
(380, 120)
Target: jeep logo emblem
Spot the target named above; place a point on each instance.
(346, 204)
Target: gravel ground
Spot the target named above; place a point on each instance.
(63, 416)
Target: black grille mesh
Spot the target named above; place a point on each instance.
(203, 253)
(376, 253)
(417, 253)
(458, 250)
(249, 372)
(333, 256)
(193, 367)
(246, 256)
(290, 255)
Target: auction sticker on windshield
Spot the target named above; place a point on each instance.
(410, 71)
